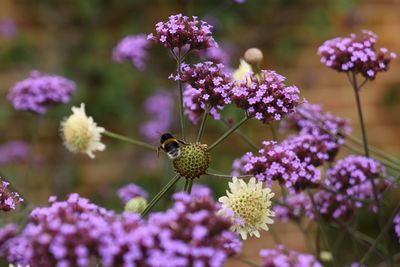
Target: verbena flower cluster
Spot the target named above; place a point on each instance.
(181, 31)
(8, 199)
(70, 233)
(38, 91)
(8, 28)
(356, 54)
(159, 107)
(350, 187)
(132, 48)
(130, 191)
(209, 88)
(316, 121)
(14, 151)
(281, 257)
(265, 96)
(7, 232)
(396, 222)
(277, 161)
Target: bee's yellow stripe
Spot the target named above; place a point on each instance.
(170, 140)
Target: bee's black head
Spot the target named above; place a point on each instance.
(165, 137)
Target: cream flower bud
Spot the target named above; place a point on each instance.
(253, 56)
(81, 134)
(242, 71)
(136, 205)
(248, 205)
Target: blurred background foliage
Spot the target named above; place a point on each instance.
(75, 39)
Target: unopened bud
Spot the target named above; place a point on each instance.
(325, 256)
(253, 56)
(136, 205)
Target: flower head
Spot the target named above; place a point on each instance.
(249, 206)
(8, 199)
(242, 71)
(81, 134)
(35, 93)
(210, 88)
(193, 161)
(136, 205)
(132, 48)
(396, 222)
(159, 107)
(14, 151)
(281, 257)
(181, 31)
(277, 161)
(356, 54)
(265, 96)
(130, 191)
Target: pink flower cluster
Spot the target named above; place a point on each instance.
(181, 31)
(281, 257)
(358, 55)
(132, 48)
(8, 199)
(265, 96)
(209, 88)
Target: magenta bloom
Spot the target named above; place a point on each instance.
(281, 257)
(296, 206)
(265, 96)
(278, 162)
(8, 28)
(356, 54)
(159, 108)
(210, 88)
(181, 31)
(14, 151)
(133, 49)
(37, 92)
(8, 200)
(396, 222)
(130, 191)
(313, 149)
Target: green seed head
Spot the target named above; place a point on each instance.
(193, 161)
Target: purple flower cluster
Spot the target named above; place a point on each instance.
(265, 96)
(313, 149)
(296, 206)
(35, 93)
(216, 54)
(316, 121)
(278, 162)
(8, 29)
(130, 191)
(159, 107)
(70, 233)
(396, 222)
(281, 257)
(358, 55)
(132, 48)
(8, 199)
(6, 233)
(181, 31)
(14, 151)
(209, 89)
(65, 234)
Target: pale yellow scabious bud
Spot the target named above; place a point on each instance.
(136, 205)
(253, 56)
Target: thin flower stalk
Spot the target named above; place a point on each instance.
(227, 133)
(243, 137)
(130, 140)
(179, 59)
(160, 194)
(202, 125)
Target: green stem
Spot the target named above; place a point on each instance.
(273, 132)
(229, 176)
(227, 133)
(321, 226)
(186, 185)
(129, 140)
(381, 235)
(202, 125)
(160, 194)
(181, 111)
(34, 141)
(190, 184)
(243, 137)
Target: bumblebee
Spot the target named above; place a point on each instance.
(170, 145)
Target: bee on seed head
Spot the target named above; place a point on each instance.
(170, 145)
